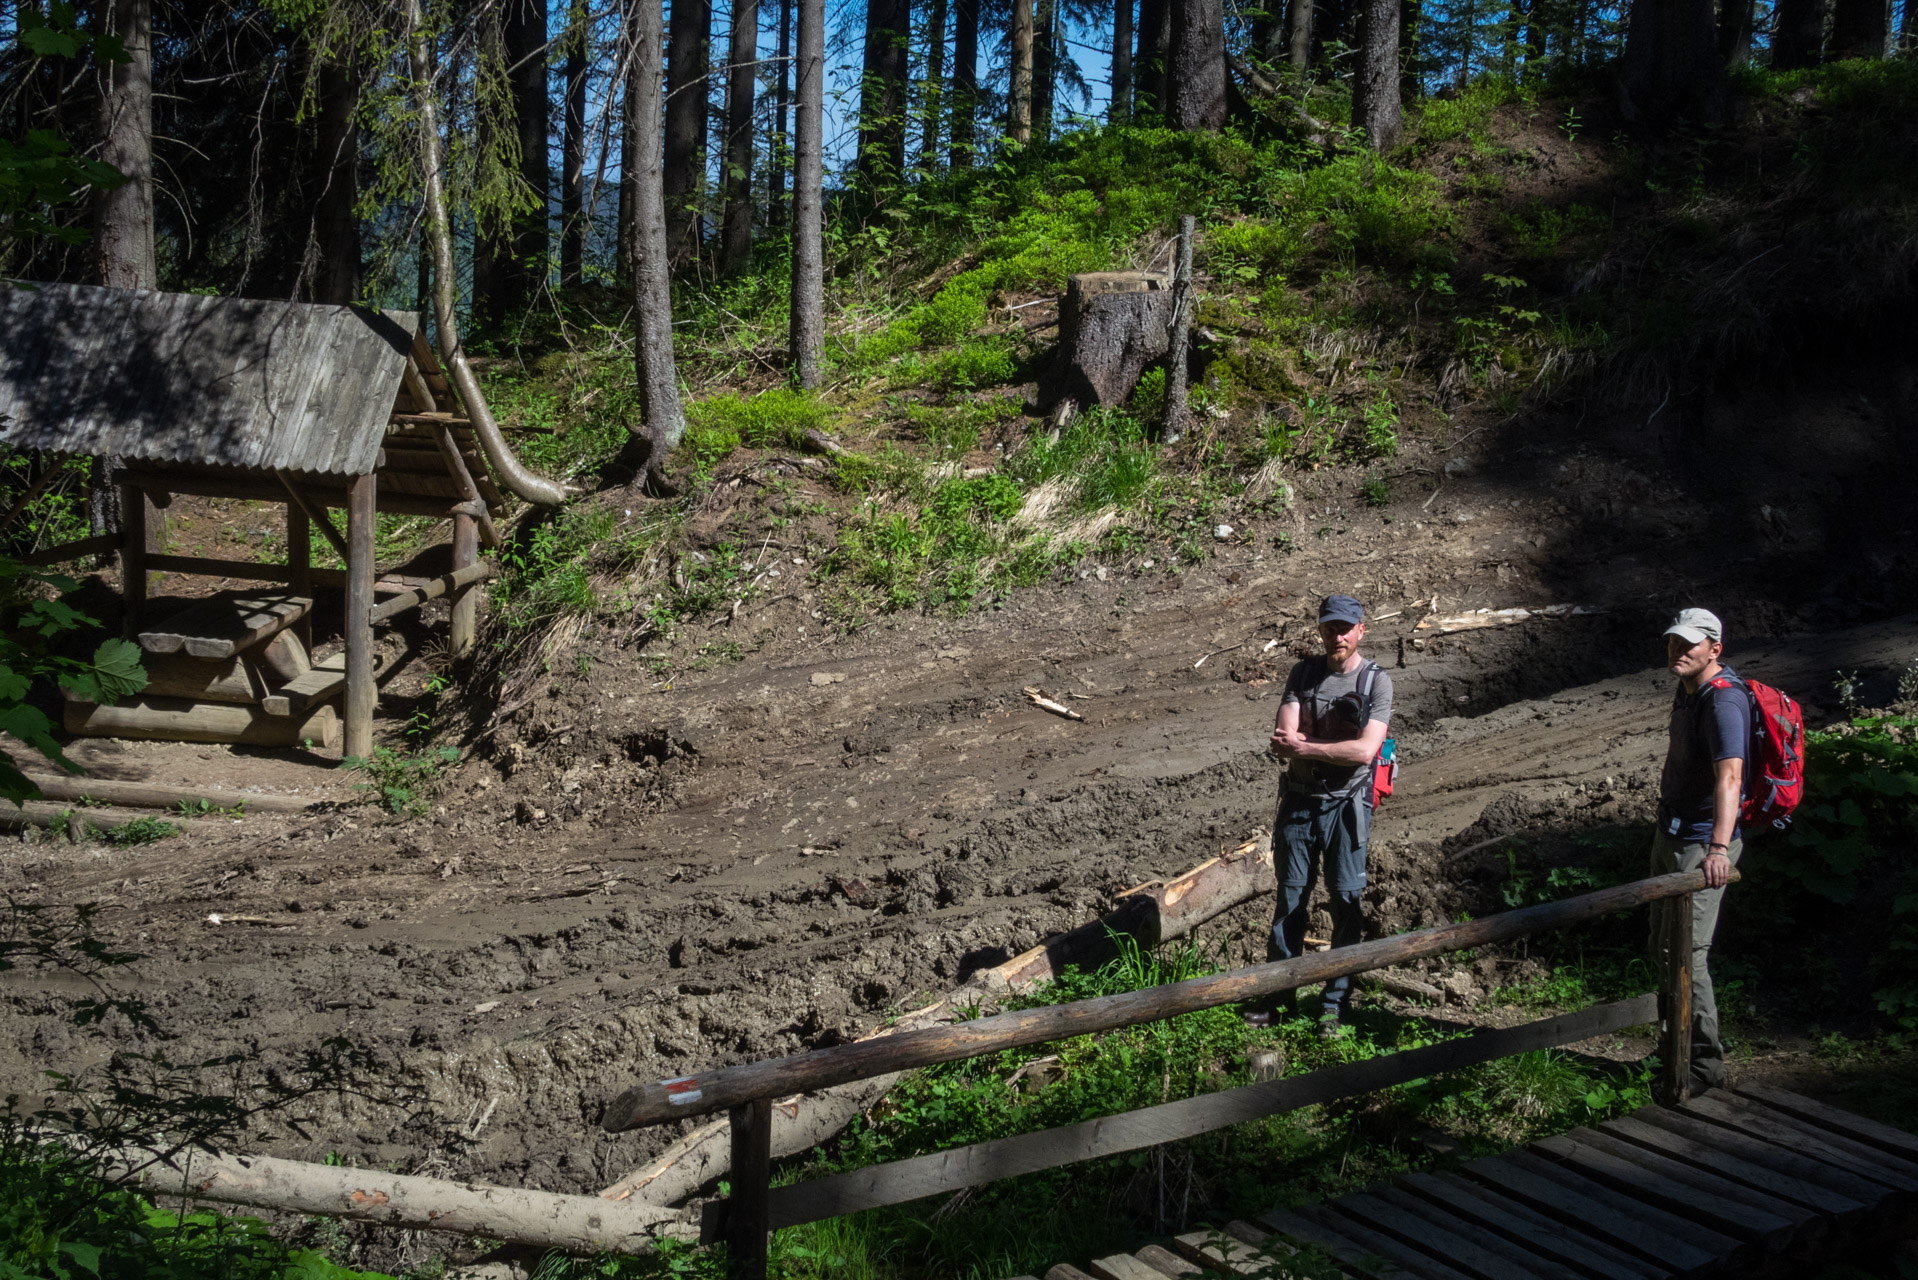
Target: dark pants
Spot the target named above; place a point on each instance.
(1311, 831)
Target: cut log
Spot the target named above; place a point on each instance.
(1153, 913)
(285, 657)
(322, 682)
(175, 675)
(571, 1224)
(159, 797)
(223, 625)
(178, 720)
(52, 813)
(1112, 324)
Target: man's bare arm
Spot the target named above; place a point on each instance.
(1357, 750)
(1728, 780)
(1285, 730)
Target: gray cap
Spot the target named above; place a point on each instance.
(1341, 609)
(1693, 625)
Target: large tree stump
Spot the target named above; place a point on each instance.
(1112, 324)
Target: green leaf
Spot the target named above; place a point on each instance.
(48, 43)
(87, 1255)
(32, 727)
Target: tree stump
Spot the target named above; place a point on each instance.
(1112, 324)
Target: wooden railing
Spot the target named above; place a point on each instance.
(747, 1091)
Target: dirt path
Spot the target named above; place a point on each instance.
(774, 853)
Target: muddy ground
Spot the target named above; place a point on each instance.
(631, 877)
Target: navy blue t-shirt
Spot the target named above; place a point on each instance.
(1708, 726)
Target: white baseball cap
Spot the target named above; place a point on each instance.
(1693, 625)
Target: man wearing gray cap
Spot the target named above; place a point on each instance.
(1699, 796)
(1331, 724)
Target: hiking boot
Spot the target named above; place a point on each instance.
(1329, 1027)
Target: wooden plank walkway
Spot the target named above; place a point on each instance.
(1746, 1181)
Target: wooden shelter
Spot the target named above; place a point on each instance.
(316, 408)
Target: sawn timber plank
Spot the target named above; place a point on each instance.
(1659, 1179)
(225, 624)
(1122, 1266)
(1840, 1207)
(1856, 1127)
(1770, 1155)
(1345, 1247)
(1652, 1234)
(1485, 1254)
(1166, 1262)
(1486, 1209)
(1771, 1126)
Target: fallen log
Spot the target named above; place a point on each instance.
(179, 720)
(177, 675)
(157, 797)
(42, 813)
(1152, 913)
(571, 1224)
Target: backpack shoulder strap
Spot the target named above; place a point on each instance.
(1368, 677)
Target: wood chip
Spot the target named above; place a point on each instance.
(1044, 703)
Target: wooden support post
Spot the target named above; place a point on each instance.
(464, 625)
(299, 562)
(746, 1223)
(1675, 1000)
(133, 558)
(1182, 308)
(361, 692)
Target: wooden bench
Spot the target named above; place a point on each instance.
(225, 624)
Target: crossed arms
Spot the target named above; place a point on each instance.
(1290, 744)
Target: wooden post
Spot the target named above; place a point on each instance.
(361, 692)
(299, 561)
(464, 624)
(1175, 368)
(1675, 999)
(133, 558)
(746, 1222)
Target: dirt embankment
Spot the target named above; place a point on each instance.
(636, 878)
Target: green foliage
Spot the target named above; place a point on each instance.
(1103, 457)
(35, 634)
(772, 419)
(1382, 427)
(1466, 115)
(41, 171)
(142, 831)
(402, 782)
(1852, 847)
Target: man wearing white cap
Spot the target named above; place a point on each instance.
(1699, 796)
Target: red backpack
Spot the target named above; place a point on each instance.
(1775, 772)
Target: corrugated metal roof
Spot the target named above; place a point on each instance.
(174, 377)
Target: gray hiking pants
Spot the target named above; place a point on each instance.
(1669, 854)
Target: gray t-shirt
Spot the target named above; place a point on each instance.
(1330, 709)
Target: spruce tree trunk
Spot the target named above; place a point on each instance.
(1195, 66)
(1045, 66)
(123, 215)
(623, 252)
(662, 420)
(1375, 86)
(736, 249)
(336, 163)
(935, 87)
(1798, 34)
(1670, 67)
(525, 34)
(686, 97)
(1298, 40)
(572, 182)
(965, 81)
(1019, 94)
(882, 95)
(1735, 21)
(808, 323)
(1119, 104)
(778, 154)
(1861, 29)
(1148, 66)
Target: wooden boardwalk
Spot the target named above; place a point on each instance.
(1746, 1181)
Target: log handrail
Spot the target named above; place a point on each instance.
(728, 1087)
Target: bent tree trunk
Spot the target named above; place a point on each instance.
(808, 315)
(662, 420)
(517, 479)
